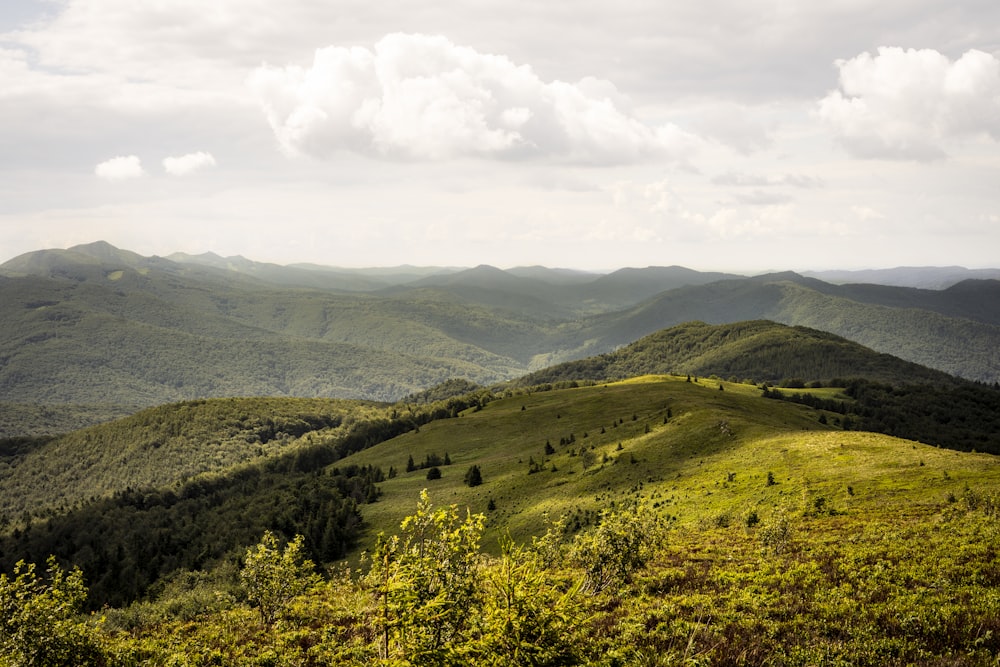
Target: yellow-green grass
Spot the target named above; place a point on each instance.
(708, 462)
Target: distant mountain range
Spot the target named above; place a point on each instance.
(95, 324)
(926, 277)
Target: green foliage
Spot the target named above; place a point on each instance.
(272, 576)
(138, 514)
(425, 584)
(36, 420)
(622, 543)
(162, 446)
(524, 618)
(431, 460)
(897, 575)
(440, 601)
(38, 619)
(128, 542)
(451, 388)
(776, 534)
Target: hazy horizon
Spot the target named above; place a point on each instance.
(593, 271)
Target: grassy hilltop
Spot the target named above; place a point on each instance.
(699, 453)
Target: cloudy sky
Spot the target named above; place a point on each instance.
(742, 135)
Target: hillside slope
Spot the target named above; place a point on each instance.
(165, 446)
(96, 330)
(758, 350)
(965, 342)
(695, 451)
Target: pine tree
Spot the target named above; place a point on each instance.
(474, 476)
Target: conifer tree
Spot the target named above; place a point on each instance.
(474, 476)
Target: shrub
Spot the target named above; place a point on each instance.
(776, 534)
(623, 542)
(38, 624)
(272, 576)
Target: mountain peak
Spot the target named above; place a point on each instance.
(104, 252)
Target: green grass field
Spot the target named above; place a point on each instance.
(707, 461)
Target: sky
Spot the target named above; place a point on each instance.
(736, 135)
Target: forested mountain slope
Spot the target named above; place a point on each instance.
(758, 350)
(99, 326)
(967, 345)
(925, 277)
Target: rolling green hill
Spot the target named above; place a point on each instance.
(653, 437)
(160, 446)
(88, 331)
(186, 485)
(958, 335)
(167, 445)
(761, 351)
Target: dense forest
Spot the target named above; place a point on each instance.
(966, 417)
(138, 523)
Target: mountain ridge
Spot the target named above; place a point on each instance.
(72, 317)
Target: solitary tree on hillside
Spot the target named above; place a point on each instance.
(474, 476)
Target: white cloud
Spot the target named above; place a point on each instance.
(865, 213)
(120, 168)
(907, 104)
(761, 198)
(422, 97)
(742, 179)
(186, 164)
(743, 128)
